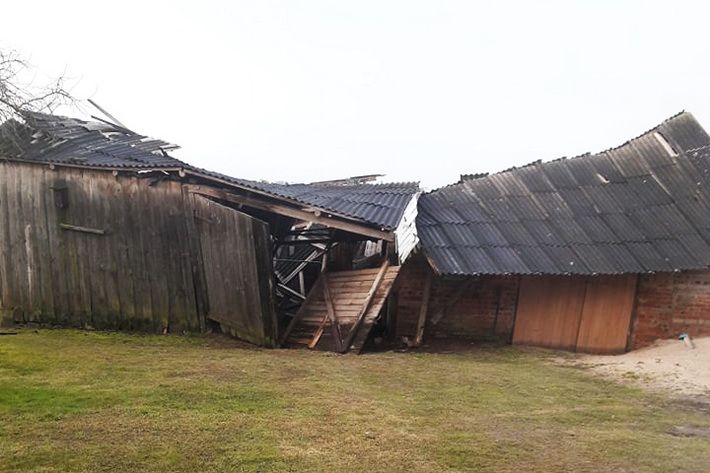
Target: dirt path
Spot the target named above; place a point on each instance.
(669, 365)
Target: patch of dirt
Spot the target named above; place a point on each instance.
(668, 365)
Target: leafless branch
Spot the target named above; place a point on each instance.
(18, 95)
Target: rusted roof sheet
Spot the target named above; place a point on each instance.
(641, 207)
(70, 141)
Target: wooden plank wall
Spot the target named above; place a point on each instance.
(236, 251)
(138, 275)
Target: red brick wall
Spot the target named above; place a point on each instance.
(668, 304)
(486, 310)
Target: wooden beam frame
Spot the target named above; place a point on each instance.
(314, 216)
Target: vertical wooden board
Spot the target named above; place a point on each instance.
(118, 190)
(154, 257)
(17, 239)
(264, 259)
(138, 256)
(164, 234)
(606, 315)
(185, 284)
(5, 261)
(95, 263)
(108, 215)
(195, 261)
(118, 290)
(549, 311)
(70, 251)
(58, 271)
(40, 190)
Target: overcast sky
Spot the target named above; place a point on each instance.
(310, 90)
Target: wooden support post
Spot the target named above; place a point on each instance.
(423, 309)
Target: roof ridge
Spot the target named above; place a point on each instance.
(583, 155)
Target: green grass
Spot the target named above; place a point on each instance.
(89, 401)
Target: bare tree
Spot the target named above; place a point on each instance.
(18, 95)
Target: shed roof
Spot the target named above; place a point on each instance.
(641, 207)
(71, 141)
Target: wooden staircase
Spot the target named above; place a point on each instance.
(341, 309)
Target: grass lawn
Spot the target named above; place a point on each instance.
(91, 401)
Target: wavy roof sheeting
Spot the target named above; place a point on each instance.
(641, 207)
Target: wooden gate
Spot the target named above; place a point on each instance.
(236, 259)
(575, 313)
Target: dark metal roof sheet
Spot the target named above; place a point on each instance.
(641, 207)
(70, 141)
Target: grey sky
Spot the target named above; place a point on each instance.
(311, 90)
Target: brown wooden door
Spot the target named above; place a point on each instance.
(549, 311)
(606, 316)
(575, 313)
(237, 266)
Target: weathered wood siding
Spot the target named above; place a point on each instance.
(142, 273)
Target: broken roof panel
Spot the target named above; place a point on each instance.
(70, 141)
(641, 207)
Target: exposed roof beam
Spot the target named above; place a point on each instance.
(320, 217)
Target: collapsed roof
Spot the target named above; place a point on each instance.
(61, 140)
(641, 207)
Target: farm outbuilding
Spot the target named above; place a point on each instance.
(598, 253)
(101, 227)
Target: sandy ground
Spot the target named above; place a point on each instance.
(669, 365)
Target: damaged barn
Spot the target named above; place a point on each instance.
(101, 227)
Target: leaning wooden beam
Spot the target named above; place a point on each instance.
(334, 326)
(301, 214)
(299, 314)
(363, 310)
(423, 310)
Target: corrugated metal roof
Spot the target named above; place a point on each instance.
(70, 141)
(641, 207)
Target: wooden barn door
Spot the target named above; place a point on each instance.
(549, 311)
(236, 261)
(606, 316)
(575, 313)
